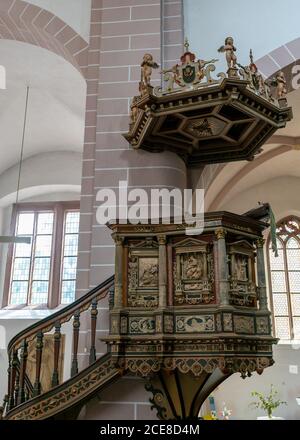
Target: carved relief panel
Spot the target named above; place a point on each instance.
(143, 270)
(242, 275)
(193, 273)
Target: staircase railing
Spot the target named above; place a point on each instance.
(20, 387)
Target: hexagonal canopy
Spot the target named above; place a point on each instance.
(222, 122)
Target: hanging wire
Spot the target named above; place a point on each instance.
(22, 146)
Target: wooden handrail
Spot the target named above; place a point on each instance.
(64, 315)
(20, 388)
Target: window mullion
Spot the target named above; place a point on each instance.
(29, 292)
(287, 281)
(54, 285)
(270, 287)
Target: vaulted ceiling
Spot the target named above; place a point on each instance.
(56, 107)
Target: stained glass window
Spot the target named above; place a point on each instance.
(285, 280)
(35, 271)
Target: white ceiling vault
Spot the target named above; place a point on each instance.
(56, 108)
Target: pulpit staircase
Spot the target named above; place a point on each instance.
(26, 399)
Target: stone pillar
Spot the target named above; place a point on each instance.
(261, 275)
(222, 267)
(162, 241)
(118, 296)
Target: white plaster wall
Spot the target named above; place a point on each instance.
(76, 13)
(281, 192)
(260, 25)
(40, 173)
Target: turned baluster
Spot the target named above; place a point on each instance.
(39, 352)
(94, 313)
(12, 378)
(76, 325)
(17, 386)
(24, 354)
(9, 373)
(27, 393)
(57, 339)
(3, 407)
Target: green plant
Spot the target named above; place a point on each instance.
(269, 402)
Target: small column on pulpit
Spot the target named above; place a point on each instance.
(118, 294)
(261, 275)
(222, 267)
(162, 280)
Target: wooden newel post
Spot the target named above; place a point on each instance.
(57, 339)
(94, 313)
(39, 352)
(12, 378)
(76, 326)
(223, 267)
(3, 407)
(261, 275)
(23, 363)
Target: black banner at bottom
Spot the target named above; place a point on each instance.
(119, 429)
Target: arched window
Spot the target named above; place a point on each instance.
(43, 273)
(284, 272)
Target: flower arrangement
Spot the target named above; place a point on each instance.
(225, 413)
(269, 402)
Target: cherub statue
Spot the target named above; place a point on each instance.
(281, 90)
(229, 49)
(147, 65)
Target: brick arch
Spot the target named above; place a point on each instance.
(22, 21)
(280, 58)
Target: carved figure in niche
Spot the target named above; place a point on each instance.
(146, 71)
(193, 268)
(227, 318)
(229, 50)
(149, 275)
(241, 268)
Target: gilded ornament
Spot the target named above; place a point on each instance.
(220, 233)
(146, 71)
(229, 49)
